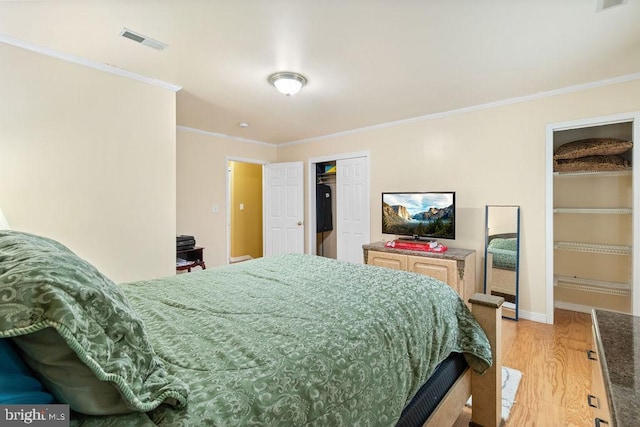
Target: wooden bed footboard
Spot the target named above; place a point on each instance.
(486, 388)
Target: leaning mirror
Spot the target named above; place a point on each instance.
(502, 255)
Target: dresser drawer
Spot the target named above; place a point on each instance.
(597, 399)
(444, 270)
(388, 260)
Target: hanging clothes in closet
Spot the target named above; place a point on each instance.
(324, 218)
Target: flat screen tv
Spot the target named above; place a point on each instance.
(420, 215)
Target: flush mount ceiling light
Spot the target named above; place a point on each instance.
(287, 83)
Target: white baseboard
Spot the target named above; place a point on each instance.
(530, 315)
(573, 307)
(240, 258)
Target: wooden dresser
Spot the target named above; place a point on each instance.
(455, 267)
(615, 363)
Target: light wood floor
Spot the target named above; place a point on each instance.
(556, 374)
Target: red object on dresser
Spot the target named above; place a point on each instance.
(415, 246)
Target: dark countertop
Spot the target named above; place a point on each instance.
(451, 253)
(618, 341)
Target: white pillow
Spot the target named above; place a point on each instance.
(4, 224)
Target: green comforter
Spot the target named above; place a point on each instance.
(503, 258)
(505, 253)
(299, 340)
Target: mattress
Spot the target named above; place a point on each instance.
(433, 391)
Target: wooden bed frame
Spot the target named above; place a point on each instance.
(501, 280)
(487, 388)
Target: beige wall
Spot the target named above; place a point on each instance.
(88, 158)
(490, 156)
(202, 186)
(502, 219)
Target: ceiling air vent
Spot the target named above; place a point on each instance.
(147, 41)
(606, 4)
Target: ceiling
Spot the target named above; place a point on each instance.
(368, 62)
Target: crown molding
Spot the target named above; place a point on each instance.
(85, 62)
(489, 105)
(225, 136)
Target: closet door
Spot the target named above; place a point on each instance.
(352, 208)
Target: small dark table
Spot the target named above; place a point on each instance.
(194, 258)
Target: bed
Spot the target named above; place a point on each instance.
(502, 256)
(285, 340)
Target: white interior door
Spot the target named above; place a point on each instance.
(284, 208)
(352, 208)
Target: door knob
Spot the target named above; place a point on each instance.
(299, 222)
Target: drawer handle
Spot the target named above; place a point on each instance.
(591, 399)
(591, 355)
(600, 421)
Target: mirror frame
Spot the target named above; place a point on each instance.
(506, 306)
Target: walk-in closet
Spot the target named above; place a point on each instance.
(594, 215)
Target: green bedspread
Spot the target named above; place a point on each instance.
(299, 340)
(505, 253)
(503, 258)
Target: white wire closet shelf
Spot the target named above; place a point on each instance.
(594, 173)
(593, 248)
(594, 211)
(590, 285)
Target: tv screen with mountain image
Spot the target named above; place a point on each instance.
(422, 215)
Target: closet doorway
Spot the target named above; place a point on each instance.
(244, 210)
(326, 237)
(592, 217)
(341, 185)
